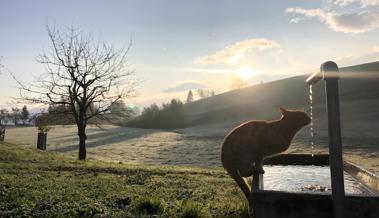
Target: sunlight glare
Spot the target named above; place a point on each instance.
(245, 73)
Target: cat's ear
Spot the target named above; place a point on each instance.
(283, 111)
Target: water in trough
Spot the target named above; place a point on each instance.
(296, 178)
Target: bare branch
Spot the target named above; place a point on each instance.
(83, 74)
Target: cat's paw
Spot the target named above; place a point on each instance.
(259, 169)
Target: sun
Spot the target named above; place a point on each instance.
(245, 73)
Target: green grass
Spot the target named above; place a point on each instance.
(47, 184)
(192, 210)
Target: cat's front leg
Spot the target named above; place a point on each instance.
(258, 167)
(244, 168)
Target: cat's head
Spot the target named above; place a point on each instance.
(300, 117)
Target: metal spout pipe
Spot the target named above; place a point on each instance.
(328, 70)
(314, 78)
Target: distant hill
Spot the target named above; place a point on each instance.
(359, 97)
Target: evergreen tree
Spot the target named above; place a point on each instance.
(201, 93)
(189, 97)
(170, 116)
(119, 109)
(16, 114)
(24, 114)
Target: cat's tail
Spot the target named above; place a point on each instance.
(233, 172)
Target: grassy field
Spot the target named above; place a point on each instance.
(49, 184)
(189, 147)
(128, 145)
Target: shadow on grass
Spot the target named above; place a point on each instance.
(108, 136)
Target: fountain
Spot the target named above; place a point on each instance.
(328, 175)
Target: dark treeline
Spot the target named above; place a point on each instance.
(59, 115)
(16, 116)
(62, 115)
(169, 116)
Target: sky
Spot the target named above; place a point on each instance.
(179, 46)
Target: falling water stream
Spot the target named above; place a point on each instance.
(311, 126)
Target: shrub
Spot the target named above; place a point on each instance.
(191, 210)
(147, 206)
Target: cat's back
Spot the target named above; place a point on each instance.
(252, 125)
(246, 130)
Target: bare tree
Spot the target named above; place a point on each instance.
(85, 75)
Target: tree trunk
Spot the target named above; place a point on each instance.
(82, 144)
(82, 148)
(82, 138)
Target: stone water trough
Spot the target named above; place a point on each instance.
(298, 186)
(316, 186)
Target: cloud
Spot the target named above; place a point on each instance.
(353, 22)
(185, 86)
(234, 53)
(367, 3)
(345, 3)
(296, 20)
(341, 3)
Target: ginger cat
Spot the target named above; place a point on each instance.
(247, 145)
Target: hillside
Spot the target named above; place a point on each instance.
(359, 96)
